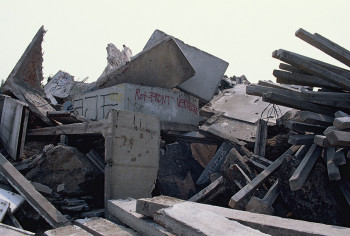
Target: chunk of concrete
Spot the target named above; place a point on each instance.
(339, 138)
(125, 211)
(168, 105)
(342, 123)
(265, 223)
(102, 227)
(162, 65)
(208, 69)
(184, 219)
(13, 125)
(25, 79)
(70, 230)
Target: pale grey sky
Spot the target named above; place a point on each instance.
(243, 33)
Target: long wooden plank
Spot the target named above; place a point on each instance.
(296, 103)
(310, 67)
(325, 45)
(33, 197)
(247, 190)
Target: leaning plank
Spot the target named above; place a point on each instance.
(214, 188)
(303, 127)
(301, 139)
(247, 190)
(284, 77)
(125, 211)
(102, 227)
(325, 45)
(291, 69)
(300, 174)
(313, 68)
(272, 225)
(13, 231)
(339, 138)
(33, 197)
(296, 103)
(315, 118)
(186, 219)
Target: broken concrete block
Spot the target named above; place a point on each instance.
(59, 86)
(209, 69)
(69, 230)
(184, 219)
(33, 197)
(268, 224)
(102, 227)
(115, 58)
(339, 114)
(301, 139)
(125, 211)
(42, 188)
(66, 165)
(321, 141)
(163, 65)
(215, 163)
(25, 79)
(13, 125)
(168, 105)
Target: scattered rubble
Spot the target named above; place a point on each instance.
(160, 133)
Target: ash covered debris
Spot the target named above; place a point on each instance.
(168, 128)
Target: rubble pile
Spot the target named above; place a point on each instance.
(163, 143)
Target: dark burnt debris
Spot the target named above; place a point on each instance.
(162, 140)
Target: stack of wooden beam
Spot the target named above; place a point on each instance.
(323, 96)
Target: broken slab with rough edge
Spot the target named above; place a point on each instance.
(247, 190)
(272, 225)
(125, 211)
(209, 69)
(186, 219)
(102, 227)
(69, 230)
(33, 197)
(300, 174)
(162, 65)
(25, 79)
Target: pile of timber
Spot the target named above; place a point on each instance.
(323, 98)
